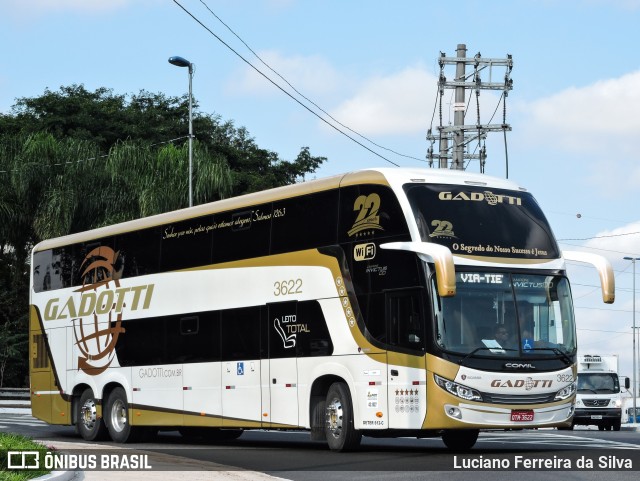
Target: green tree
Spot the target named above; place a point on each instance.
(108, 119)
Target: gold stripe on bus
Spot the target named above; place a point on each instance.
(50, 407)
(158, 416)
(364, 177)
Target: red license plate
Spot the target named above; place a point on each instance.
(522, 415)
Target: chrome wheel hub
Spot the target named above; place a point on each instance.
(88, 414)
(118, 415)
(334, 415)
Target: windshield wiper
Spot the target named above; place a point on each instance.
(563, 355)
(492, 349)
(555, 350)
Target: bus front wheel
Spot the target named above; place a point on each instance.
(339, 428)
(88, 424)
(460, 439)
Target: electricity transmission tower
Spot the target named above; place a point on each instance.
(454, 140)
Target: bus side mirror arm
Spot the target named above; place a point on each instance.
(441, 257)
(603, 266)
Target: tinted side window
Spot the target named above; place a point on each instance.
(143, 342)
(53, 269)
(138, 252)
(304, 222)
(405, 320)
(186, 244)
(170, 340)
(388, 269)
(196, 338)
(240, 334)
(373, 307)
(313, 338)
(242, 234)
(98, 262)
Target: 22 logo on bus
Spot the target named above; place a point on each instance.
(443, 228)
(368, 220)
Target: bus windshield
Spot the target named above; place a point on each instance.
(479, 222)
(506, 314)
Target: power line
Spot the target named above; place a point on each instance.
(79, 161)
(279, 87)
(597, 248)
(603, 309)
(600, 236)
(602, 330)
(301, 94)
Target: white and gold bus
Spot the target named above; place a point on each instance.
(384, 302)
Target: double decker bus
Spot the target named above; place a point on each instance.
(383, 302)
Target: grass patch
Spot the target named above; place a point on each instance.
(14, 442)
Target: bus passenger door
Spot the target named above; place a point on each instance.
(406, 358)
(241, 399)
(283, 325)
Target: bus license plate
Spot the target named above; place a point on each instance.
(596, 416)
(522, 416)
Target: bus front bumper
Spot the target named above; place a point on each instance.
(498, 417)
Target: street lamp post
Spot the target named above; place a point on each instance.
(181, 62)
(633, 263)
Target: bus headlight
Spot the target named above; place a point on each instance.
(458, 390)
(565, 392)
(617, 403)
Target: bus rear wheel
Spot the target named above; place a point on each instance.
(339, 428)
(461, 439)
(116, 416)
(88, 424)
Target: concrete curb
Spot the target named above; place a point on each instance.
(629, 427)
(62, 476)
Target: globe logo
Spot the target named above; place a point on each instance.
(96, 333)
(529, 384)
(490, 197)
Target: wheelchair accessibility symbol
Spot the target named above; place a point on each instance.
(241, 369)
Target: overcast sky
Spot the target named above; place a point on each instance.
(373, 66)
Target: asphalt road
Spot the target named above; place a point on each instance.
(533, 454)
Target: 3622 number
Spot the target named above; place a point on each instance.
(288, 287)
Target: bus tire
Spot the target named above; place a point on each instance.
(460, 439)
(339, 428)
(116, 417)
(88, 424)
(616, 425)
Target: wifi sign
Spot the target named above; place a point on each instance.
(364, 252)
